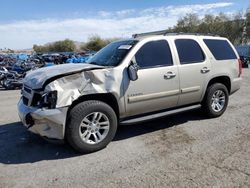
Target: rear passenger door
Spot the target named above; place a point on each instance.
(157, 86)
(194, 69)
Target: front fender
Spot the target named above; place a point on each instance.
(70, 88)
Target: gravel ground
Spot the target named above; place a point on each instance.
(185, 150)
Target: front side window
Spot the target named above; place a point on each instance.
(189, 51)
(112, 54)
(153, 54)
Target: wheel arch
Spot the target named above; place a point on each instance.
(107, 98)
(225, 80)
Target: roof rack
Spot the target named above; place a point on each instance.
(165, 32)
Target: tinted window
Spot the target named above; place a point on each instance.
(155, 53)
(189, 51)
(220, 49)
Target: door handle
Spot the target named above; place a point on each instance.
(205, 70)
(169, 75)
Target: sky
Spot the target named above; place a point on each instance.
(28, 22)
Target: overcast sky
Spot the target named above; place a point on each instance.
(28, 22)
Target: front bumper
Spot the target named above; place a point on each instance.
(48, 123)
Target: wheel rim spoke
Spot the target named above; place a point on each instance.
(104, 123)
(88, 136)
(95, 116)
(213, 105)
(84, 125)
(95, 137)
(99, 135)
(84, 134)
(86, 120)
(218, 106)
(104, 127)
(99, 117)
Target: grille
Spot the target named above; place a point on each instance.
(27, 90)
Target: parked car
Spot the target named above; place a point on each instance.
(22, 67)
(148, 76)
(245, 61)
(11, 79)
(3, 72)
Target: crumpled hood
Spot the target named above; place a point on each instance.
(37, 78)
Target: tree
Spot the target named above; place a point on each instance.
(95, 43)
(236, 28)
(63, 46)
(59, 46)
(188, 24)
(247, 26)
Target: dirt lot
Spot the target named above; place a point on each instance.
(186, 150)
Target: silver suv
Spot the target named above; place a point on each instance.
(148, 76)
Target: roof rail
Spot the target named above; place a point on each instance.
(165, 32)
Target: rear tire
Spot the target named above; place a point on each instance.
(91, 126)
(216, 100)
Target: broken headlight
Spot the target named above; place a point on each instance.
(48, 100)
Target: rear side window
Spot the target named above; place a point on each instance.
(153, 54)
(189, 51)
(220, 49)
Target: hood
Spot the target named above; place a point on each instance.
(38, 78)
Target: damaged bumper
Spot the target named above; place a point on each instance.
(48, 123)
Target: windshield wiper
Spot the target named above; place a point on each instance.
(93, 63)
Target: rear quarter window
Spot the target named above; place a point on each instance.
(220, 49)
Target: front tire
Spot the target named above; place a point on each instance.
(216, 100)
(91, 126)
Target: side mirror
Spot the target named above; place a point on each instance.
(132, 71)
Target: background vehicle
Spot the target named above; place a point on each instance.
(17, 65)
(149, 76)
(3, 71)
(11, 79)
(245, 61)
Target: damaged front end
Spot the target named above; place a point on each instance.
(46, 98)
(38, 112)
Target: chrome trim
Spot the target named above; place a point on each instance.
(139, 98)
(190, 89)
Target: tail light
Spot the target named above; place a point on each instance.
(240, 67)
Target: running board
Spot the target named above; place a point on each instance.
(158, 115)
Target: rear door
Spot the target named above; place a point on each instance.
(194, 69)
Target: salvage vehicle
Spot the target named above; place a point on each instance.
(11, 79)
(3, 72)
(148, 76)
(22, 67)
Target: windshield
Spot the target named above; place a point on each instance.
(112, 54)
